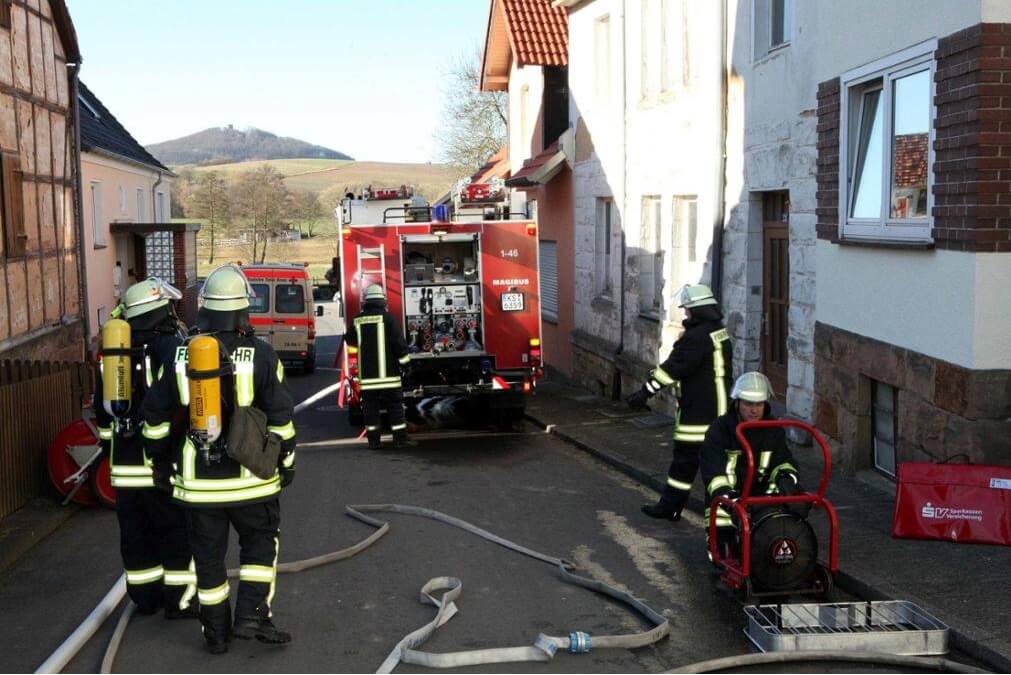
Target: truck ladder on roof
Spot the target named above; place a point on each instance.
(368, 259)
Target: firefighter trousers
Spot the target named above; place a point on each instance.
(155, 550)
(258, 527)
(680, 475)
(372, 404)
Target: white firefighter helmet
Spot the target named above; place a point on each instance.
(226, 290)
(696, 296)
(145, 296)
(753, 387)
(375, 293)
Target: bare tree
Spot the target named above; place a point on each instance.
(306, 211)
(473, 124)
(207, 197)
(262, 198)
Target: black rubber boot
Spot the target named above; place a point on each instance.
(215, 621)
(374, 440)
(263, 630)
(662, 511)
(401, 440)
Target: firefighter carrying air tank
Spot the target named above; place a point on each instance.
(237, 454)
(136, 353)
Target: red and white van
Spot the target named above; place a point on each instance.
(282, 312)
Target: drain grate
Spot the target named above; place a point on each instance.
(891, 626)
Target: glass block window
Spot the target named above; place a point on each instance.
(191, 258)
(885, 420)
(159, 254)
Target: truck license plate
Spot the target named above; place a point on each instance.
(512, 302)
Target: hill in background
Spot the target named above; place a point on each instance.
(319, 175)
(219, 145)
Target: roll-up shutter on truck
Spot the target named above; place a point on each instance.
(549, 279)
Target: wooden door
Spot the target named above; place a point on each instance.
(776, 288)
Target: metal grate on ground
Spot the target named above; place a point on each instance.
(890, 626)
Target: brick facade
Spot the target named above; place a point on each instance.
(827, 175)
(943, 409)
(972, 145)
(972, 162)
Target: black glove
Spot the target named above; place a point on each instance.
(787, 485)
(287, 476)
(161, 472)
(638, 400)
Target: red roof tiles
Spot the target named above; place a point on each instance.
(538, 32)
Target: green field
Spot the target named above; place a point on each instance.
(316, 175)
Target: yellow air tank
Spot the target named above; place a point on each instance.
(116, 367)
(205, 394)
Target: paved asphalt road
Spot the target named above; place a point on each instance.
(346, 617)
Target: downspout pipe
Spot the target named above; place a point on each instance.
(616, 377)
(82, 266)
(154, 198)
(716, 282)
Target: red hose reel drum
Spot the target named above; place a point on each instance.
(73, 445)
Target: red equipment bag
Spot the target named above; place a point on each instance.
(953, 502)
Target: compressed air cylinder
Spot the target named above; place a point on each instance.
(205, 393)
(116, 385)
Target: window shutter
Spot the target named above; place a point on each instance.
(13, 205)
(549, 279)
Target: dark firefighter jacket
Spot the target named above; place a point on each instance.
(381, 348)
(724, 467)
(699, 368)
(258, 380)
(154, 354)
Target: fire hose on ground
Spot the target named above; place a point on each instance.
(543, 649)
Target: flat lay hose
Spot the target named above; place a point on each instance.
(916, 663)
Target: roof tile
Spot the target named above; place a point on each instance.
(540, 32)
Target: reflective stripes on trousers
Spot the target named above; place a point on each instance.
(146, 576)
(213, 596)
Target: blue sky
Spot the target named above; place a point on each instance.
(359, 76)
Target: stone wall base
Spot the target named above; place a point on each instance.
(943, 410)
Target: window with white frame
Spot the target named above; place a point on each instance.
(885, 154)
(602, 246)
(884, 414)
(122, 200)
(674, 52)
(97, 226)
(772, 25)
(141, 217)
(650, 258)
(159, 206)
(602, 58)
(686, 229)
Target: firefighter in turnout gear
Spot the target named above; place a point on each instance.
(724, 469)
(217, 490)
(382, 357)
(136, 354)
(698, 368)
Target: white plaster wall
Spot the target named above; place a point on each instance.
(773, 114)
(996, 11)
(672, 150)
(992, 340)
(524, 143)
(598, 169)
(949, 305)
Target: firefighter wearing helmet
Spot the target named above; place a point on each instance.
(237, 454)
(382, 358)
(723, 468)
(698, 369)
(137, 351)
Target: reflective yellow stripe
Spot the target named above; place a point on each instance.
(138, 577)
(258, 573)
(764, 458)
(191, 587)
(693, 428)
(731, 470)
(180, 577)
(688, 437)
(286, 431)
(218, 497)
(661, 376)
(132, 482)
(717, 483)
(289, 460)
(386, 383)
(244, 384)
(147, 371)
(130, 470)
(785, 466)
(678, 485)
(404, 360)
(273, 583)
(719, 369)
(105, 433)
(182, 381)
(156, 432)
(213, 596)
(371, 428)
(280, 372)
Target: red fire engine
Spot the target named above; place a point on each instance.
(467, 297)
